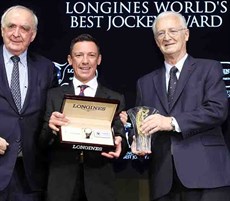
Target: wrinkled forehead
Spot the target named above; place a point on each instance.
(168, 21)
(20, 16)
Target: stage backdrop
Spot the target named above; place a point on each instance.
(123, 29)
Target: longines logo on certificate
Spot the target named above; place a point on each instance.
(90, 121)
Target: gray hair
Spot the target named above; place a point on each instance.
(35, 19)
(167, 13)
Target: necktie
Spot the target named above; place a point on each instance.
(82, 89)
(15, 90)
(15, 84)
(172, 84)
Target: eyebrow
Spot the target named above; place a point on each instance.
(25, 26)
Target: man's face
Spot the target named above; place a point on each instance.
(84, 59)
(171, 36)
(18, 31)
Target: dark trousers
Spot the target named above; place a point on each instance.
(216, 194)
(79, 189)
(18, 188)
(179, 192)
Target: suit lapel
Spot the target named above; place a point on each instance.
(4, 85)
(69, 89)
(160, 83)
(32, 81)
(186, 72)
(101, 92)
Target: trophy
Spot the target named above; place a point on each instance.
(137, 115)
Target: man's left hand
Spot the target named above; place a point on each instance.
(117, 152)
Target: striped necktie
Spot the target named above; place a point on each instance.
(15, 83)
(82, 89)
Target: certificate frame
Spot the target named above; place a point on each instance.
(90, 122)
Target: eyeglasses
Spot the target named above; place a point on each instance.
(171, 32)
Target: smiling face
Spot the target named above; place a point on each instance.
(84, 59)
(171, 36)
(18, 30)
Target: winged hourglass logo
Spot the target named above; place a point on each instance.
(64, 73)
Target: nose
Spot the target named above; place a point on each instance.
(16, 32)
(167, 35)
(85, 59)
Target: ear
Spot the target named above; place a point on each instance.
(69, 59)
(187, 34)
(2, 31)
(33, 36)
(99, 59)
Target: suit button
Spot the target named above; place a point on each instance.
(21, 118)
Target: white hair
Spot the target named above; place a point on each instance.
(167, 13)
(35, 19)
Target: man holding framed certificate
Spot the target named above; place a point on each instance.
(78, 128)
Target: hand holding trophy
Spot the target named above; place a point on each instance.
(137, 115)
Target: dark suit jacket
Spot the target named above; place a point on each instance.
(64, 162)
(28, 123)
(200, 107)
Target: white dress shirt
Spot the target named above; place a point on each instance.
(23, 71)
(179, 66)
(89, 91)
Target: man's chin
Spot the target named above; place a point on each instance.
(15, 49)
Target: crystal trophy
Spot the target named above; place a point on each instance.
(137, 115)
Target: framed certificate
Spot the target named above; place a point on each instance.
(90, 122)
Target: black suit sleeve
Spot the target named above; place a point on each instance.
(118, 126)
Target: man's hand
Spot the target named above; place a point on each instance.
(123, 117)
(57, 120)
(3, 146)
(117, 152)
(154, 123)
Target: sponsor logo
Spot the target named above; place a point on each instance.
(130, 156)
(64, 73)
(89, 107)
(85, 147)
(226, 78)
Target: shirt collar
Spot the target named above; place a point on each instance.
(7, 55)
(92, 83)
(179, 64)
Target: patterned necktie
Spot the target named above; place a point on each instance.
(172, 84)
(15, 84)
(82, 89)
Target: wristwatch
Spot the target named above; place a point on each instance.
(88, 132)
(172, 124)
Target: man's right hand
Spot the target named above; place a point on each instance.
(3, 146)
(57, 120)
(123, 117)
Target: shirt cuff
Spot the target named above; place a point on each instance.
(177, 128)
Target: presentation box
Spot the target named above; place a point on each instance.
(90, 122)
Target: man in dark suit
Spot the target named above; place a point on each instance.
(21, 168)
(76, 175)
(189, 157)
